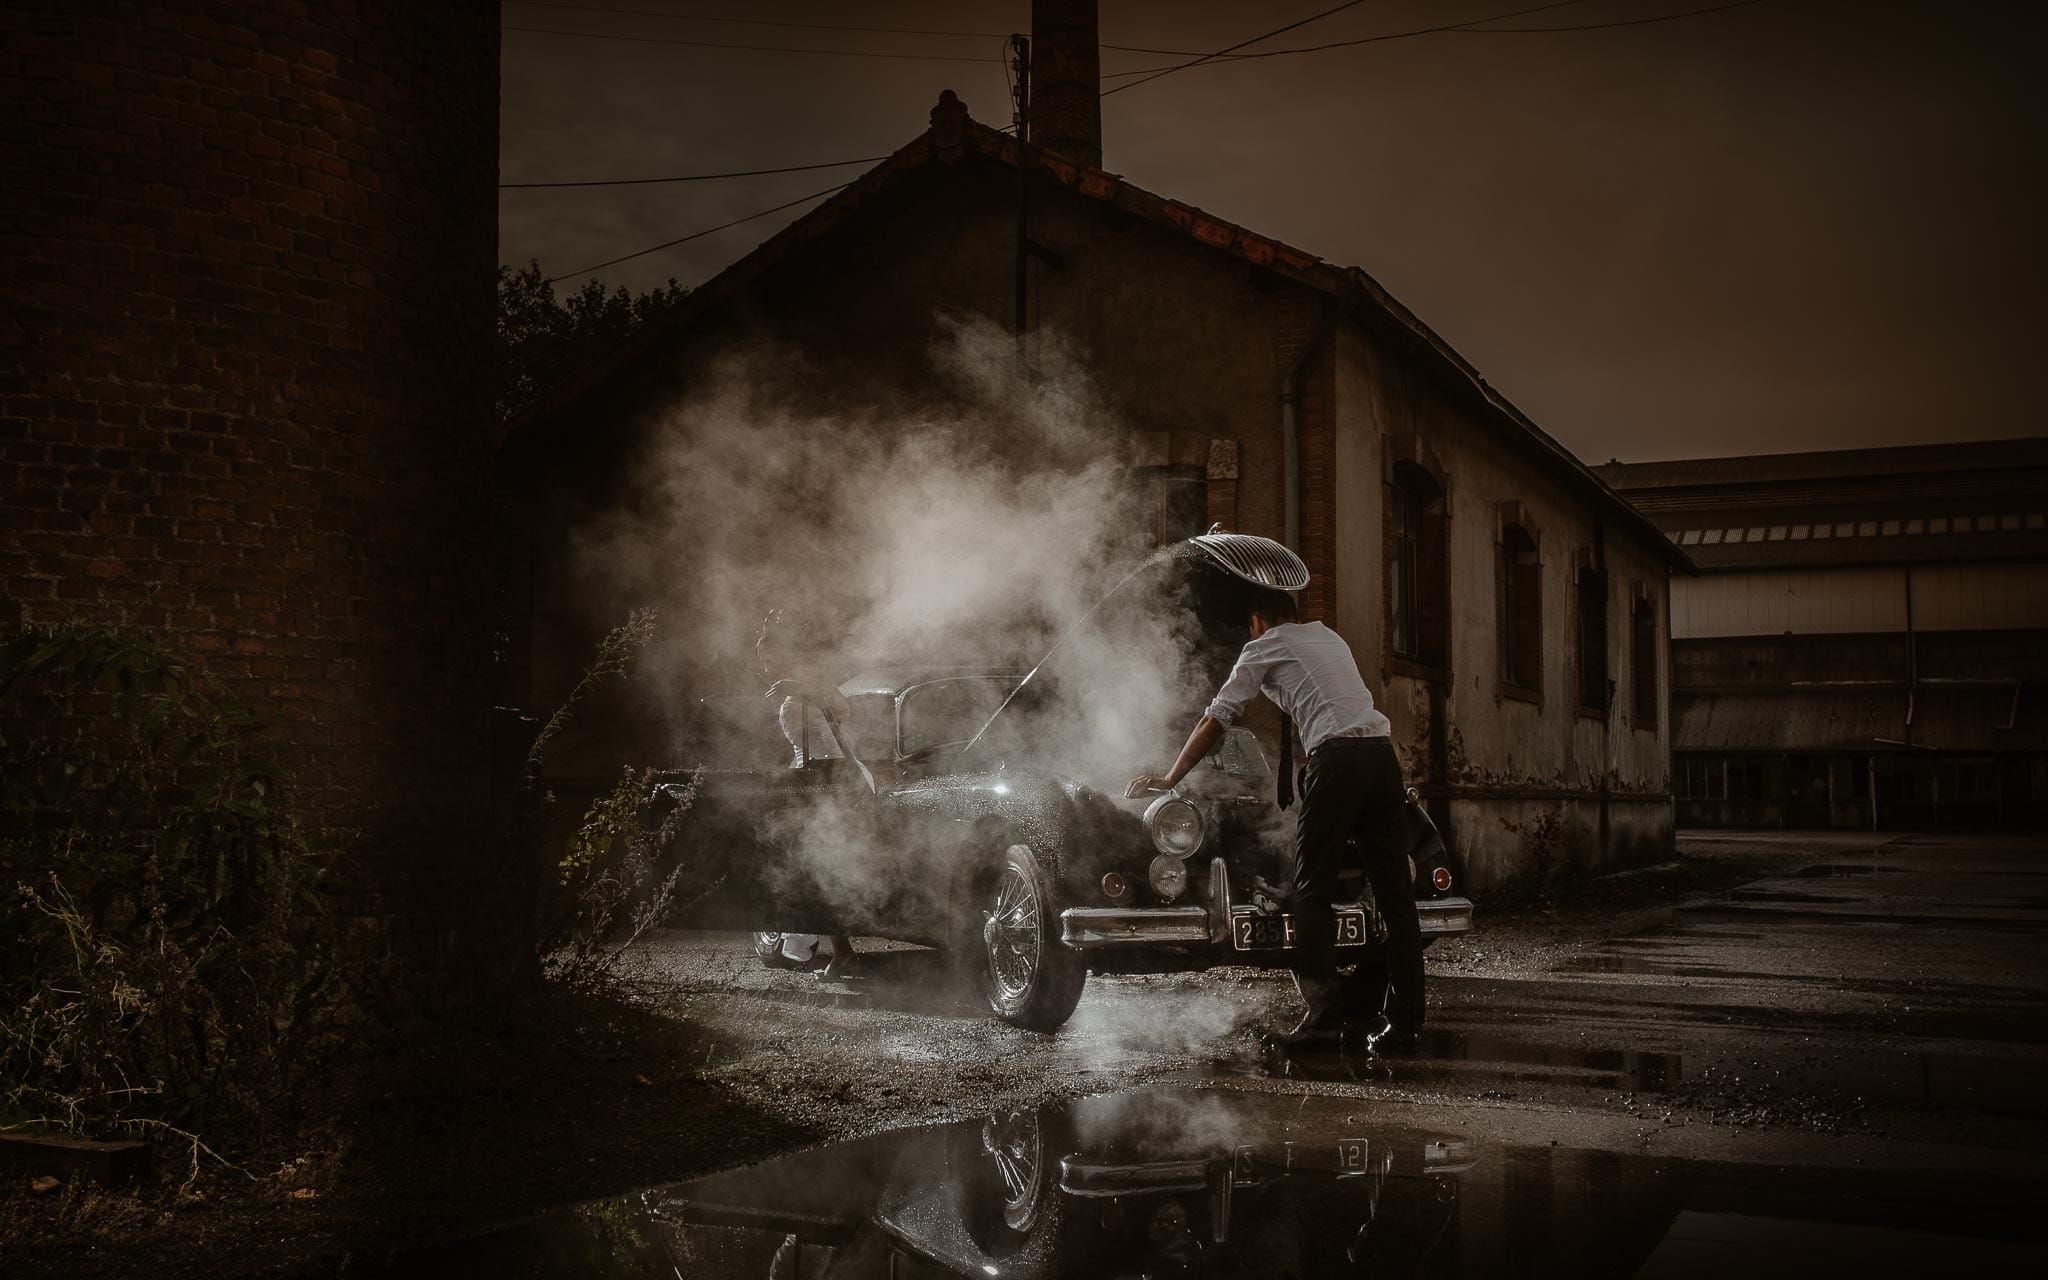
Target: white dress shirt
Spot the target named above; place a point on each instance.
(1308, 672)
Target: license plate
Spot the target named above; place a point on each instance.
(1339, 1156)
(1251, 931)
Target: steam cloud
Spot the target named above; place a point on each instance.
(973, 528)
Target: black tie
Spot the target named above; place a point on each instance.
(1286, 761)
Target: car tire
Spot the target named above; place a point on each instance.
(1029, 977)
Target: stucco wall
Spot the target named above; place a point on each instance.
(1523, 778)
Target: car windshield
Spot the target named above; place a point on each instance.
(751, 731)
(946, 713)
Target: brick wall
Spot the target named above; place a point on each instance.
(245, 398)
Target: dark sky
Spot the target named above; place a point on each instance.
(1800, 224)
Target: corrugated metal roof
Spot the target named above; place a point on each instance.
(1969, 720)
(1828, 465)
(1808, 552)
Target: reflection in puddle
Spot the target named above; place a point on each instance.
(1448, 1054)
(1222, 1183)
(1790, 895)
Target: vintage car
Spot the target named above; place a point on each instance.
(1159, 1183)
(945, 807)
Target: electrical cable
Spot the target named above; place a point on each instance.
(1475, 26)
(756, 48)
(1196, 62)
(828, 26)
(697, 235)
(1334, 44)
(1603, 26)
(693, 177)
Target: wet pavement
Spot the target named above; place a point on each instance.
(1835, 1068)
(1185, 1182)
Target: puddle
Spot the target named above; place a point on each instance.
(1791, 895)
(1825, 870)
(1448, 1055)
(1171, 1182)
(1644, 965)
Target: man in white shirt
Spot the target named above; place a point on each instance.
(1353, 791)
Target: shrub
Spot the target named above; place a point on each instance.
(165, 960)
(613, 881)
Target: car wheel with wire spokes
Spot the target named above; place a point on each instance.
(1030, 978)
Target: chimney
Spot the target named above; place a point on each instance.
(1066, 80)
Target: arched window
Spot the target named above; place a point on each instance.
(1643, 661)
(1521, 611)
(1592, 601)
(1417, 573)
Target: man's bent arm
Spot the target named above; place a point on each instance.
(1207, 733)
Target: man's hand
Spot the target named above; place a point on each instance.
(1208, 732)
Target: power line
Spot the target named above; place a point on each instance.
(1602, 26)
(1475, 27)
(692, 177)
(826, 26)
(757, 48)
(697, 235)
(759, 22)
(1338, 44)
(1196, 62)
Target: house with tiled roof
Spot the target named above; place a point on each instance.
(1508, 608)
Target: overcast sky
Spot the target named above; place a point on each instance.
(1797, 224)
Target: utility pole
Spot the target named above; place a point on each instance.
(1020, 62)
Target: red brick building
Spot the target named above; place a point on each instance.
(248, 252)
(1508, 607)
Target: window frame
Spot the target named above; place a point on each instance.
(1586, 569)
(1643, 605)
(1414, 479)
(1515, 592)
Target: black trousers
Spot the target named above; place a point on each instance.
(1353, 792)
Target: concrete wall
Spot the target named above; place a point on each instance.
(1523, 779)
(1861, 599)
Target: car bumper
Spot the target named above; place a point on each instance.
(1085, 928)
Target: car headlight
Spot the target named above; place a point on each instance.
(1169, 877)
(1175, 825)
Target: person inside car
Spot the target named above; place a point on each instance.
(1353, 791)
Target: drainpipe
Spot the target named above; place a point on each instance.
(1290, 423)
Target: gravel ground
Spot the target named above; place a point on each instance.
(703, 1060)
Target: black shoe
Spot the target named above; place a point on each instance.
(1312, 1032)
(1393, 1042)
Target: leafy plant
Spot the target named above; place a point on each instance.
(613, 881)
(542, 339)
(165, 961)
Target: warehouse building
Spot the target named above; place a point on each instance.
(1866, 644)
